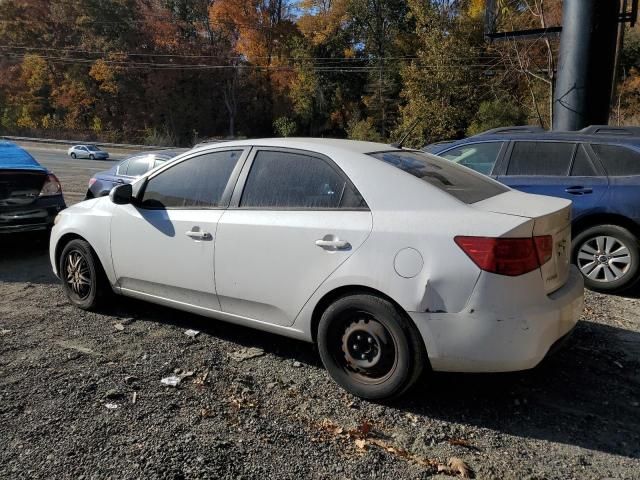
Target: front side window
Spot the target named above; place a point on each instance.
(122, 168)
(466, 186)
(480, 157)
(541, 158)
(295, 180)
(198, 182)
(618, 160)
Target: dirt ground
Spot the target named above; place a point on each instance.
(81, 397)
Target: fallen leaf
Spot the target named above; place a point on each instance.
(361, 443)
(460, 467)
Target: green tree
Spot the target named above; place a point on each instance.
(441, 87)
(499, 112)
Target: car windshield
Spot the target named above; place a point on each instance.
(93, 148)
(462, 183)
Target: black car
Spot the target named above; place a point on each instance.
(598, 168)
(30, 195)
(127, 171)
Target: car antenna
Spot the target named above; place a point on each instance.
(407, 133)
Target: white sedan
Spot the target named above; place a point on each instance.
(91, 152)
(391, 259)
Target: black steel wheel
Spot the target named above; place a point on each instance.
(369, 347)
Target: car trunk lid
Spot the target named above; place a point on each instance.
(551, 216)
(20, 187)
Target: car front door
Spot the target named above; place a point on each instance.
(83, 152)
(163, 244)
(558, 169)
(293, 220)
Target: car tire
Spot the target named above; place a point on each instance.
(92, 157)
(73, 155)
(370, 347)
(608, 257)
(83, 279)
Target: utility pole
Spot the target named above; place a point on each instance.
(586, 63)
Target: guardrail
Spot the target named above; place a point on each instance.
(50, 141)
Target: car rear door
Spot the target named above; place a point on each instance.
(557, 168)
(622, 164)
(294, 218)
(163, 244)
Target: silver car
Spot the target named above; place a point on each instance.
(87, 151)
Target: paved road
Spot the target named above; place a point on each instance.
(74, 174)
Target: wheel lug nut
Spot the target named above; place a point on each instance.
(358, 337)
(370, 340)
(355, 346)
(363, 356)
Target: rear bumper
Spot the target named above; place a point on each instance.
(30, 218)
(508, 325)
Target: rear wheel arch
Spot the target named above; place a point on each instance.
(345, 291)
(583, 223)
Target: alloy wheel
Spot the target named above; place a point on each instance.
(604, 258)
(77, 274)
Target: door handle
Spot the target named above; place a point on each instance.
(578, 190)
(329, 243)
(198, 235)
(119, 181)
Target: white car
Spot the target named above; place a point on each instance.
(391, 259)
(91, 152)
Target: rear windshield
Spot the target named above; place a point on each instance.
(462, 183)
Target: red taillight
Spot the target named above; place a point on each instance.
(92, 180)
(544, 247)
(507, 256)
(51, 186)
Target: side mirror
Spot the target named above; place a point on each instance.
(122, 194)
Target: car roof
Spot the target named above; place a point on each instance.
(168, 154)
(539, 135)
(12, 157)
(305, 143)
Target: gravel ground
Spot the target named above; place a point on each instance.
(81, 397)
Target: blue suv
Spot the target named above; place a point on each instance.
(598, 168)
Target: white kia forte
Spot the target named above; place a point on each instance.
(391, 260)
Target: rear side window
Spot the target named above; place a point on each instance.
(618, 160)
(138, 166)
(466, 186)
(480, 157)
(540, 158)
(198, 182)
(295, 180)
(582, 166)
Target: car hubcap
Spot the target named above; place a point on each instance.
(604, 259)
(367, 349)
(77, 274)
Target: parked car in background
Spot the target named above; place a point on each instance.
(30, 195)
(443, 267)
(598, 168)
(127, 171)
(87, 151)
